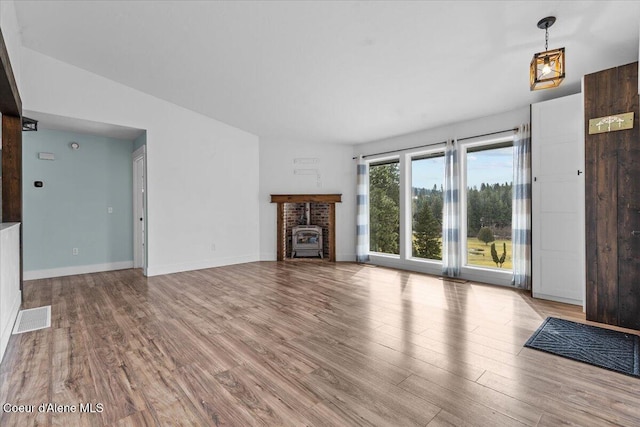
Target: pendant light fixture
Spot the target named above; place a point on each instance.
(547, 68)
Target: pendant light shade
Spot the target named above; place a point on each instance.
(547, 68)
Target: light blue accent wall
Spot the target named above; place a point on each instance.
(140, 141)
(71, 209)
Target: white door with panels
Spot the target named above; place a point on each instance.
(558, 203)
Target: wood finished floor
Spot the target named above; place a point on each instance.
(300, 344)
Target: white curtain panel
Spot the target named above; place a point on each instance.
(521, 220)
(362, 215)
(451, 212)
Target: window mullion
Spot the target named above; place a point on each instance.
(405, 207)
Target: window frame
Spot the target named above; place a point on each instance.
(430, 153)
(482, 273)
(380, 161)
(404, 260)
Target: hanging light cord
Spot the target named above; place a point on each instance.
(546, 37)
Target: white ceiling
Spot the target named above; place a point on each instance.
(331, 71)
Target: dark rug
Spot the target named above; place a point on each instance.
(596, 346)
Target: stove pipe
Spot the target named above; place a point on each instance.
(307, 212)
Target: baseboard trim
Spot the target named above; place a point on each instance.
(199, 265)
(76, 269)
(268, 256)
(555, 298)
(345, 257)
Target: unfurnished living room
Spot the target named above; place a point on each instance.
(320, 213)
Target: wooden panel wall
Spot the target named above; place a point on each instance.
(612, 192)
(11, 169)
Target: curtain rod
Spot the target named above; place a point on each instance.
(403, 149)
(488, 134)
(436, 143)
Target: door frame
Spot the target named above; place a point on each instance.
(139, 161)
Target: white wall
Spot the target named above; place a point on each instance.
(11, 34)
(202, 175)
(337, 176)
(506, 120)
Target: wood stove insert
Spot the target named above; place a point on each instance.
(281, 199)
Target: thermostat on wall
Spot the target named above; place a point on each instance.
(46, 156)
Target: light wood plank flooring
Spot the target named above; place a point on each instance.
(300, 344)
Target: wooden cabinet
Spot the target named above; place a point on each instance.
(10, 295)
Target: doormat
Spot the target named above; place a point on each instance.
(605, 348)
(33, 319)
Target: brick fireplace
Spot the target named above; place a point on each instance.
(291, 213)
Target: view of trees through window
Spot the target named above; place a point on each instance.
(489, 178)
(489, 197)
(384, 208)
(427, 174)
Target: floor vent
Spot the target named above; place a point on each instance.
(33, 319)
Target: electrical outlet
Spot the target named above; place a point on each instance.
(74, 251)
(109, 209)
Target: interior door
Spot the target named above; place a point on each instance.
(558, 204)
(138, 212)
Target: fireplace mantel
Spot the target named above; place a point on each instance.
(306, 198)
(331, 199)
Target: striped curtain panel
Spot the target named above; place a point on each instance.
(362, 213)
(451, 212)
(521, 220)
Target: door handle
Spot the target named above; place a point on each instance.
(635, 233)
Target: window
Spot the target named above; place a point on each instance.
(406, 216)
(489, 181)
(427, 173)
(384, 207)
